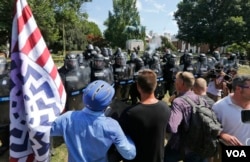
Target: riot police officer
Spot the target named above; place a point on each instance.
(156, 67)
(75, 79)
(133, 56)
(118, 51)
(99, 71)
(107, 58)
(147, 59)
(137, 64)
(123, 76)
(170, 69)
(183, 57)
(201, 66)
(211, 61)
(216, 55)
(4, 100)
(188, 66)
(230, 62)
(88, 55)
(166, 56)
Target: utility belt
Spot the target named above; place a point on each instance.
(125, 82)
(77, 92)
(161, 79)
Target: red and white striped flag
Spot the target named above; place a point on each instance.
(37, 94)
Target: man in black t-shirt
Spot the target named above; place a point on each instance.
(146, 121)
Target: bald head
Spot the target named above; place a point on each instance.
(200, 86)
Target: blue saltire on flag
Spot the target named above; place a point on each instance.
(37, 94)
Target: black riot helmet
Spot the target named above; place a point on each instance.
(166, 57)
(3, 65)
(147, 55)
(104, 52)
(90, 47)
(71, 61)
(98, 61)
(119, 50)
(139, 63)
(120, 59)
(216, 55)
(172, 60)
(110, 52)
(203, 58)
(168, 51)
(233, 57)
(88, 51)
(155, 62)
(218, 67)
(97, 49)
(157, 54)
(133, 56)
(189, 58)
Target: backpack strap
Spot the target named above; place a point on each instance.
(192, 103)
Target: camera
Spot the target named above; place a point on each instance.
(228, 77)
(212, 74)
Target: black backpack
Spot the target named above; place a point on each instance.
(201, 136)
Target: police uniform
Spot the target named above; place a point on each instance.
(123, 76)
(188, 66)
(160, 88)
(201, 66)
(170, 69)
(75, 79)
(137, 64)
(99, 71)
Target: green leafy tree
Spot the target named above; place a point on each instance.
(92, 28)
(43, 13)
(71, 22)
(124, 13)
(45, 17)
(94, 34)
(6, 12)
(214, 22)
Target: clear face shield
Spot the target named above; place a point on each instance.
(120, 61)
(98, 64)
(71, 64)
(203, 60)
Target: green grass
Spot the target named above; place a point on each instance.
(60, 150)
(244, 70)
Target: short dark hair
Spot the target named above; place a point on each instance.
(218, 66)
(147, 80)
(240, 80)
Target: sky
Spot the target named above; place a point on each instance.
(156, 15)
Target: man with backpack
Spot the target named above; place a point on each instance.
(186, 126)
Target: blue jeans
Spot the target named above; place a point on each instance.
(171, 155)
